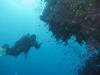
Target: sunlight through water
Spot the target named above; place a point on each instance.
(28, 3)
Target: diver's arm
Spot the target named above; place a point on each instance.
(36, 45)
(35, 42)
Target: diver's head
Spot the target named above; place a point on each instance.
(33, 37)
(35, 42)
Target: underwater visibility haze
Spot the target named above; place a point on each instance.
(50, 54)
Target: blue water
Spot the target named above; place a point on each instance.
(17, 18)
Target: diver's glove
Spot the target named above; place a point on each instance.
(37, 46)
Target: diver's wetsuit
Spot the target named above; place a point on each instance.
(23, 45)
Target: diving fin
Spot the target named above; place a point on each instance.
(2, 51)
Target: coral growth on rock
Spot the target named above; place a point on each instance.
(74, 17)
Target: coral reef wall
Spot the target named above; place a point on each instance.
(74, 17)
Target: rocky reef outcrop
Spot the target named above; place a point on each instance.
(74, 17)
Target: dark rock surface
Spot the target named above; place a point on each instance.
(92, 66)
(74, 17)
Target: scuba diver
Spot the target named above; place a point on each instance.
(23, 45)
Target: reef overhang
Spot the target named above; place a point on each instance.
(74, 17)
